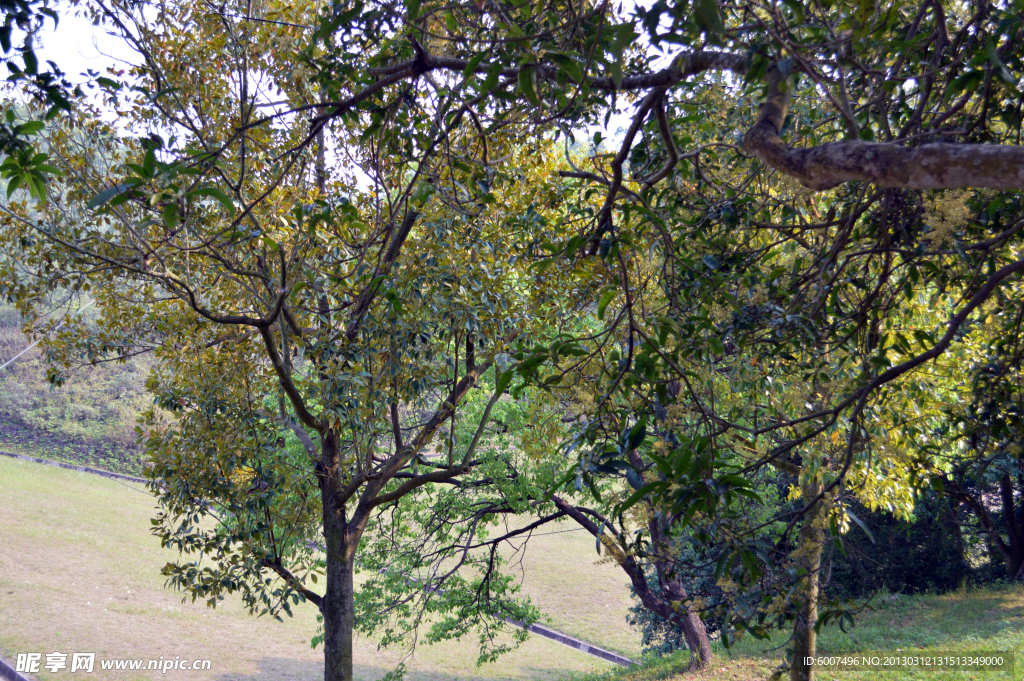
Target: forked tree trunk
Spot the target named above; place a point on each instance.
(812, 540)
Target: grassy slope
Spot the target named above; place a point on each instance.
(91, 420)
(989, 619)
(79, 572)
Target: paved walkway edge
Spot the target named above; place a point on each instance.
(8, 674)
(72, 467)
(574, 643)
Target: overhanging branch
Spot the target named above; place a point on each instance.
(930, 166)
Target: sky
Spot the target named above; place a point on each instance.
(77, 46)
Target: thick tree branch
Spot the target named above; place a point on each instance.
(367, 296)
(684, 66)
(930, 166)
(286, 382)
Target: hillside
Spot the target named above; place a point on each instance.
(90, 420)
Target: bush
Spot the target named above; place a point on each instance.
(926, 555)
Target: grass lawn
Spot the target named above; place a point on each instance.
(989, 619)
(79, 572)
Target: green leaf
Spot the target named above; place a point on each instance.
(472, 65)
(634, 479)
(636, 436)
(965, 82)
(602, 304)
(31, 62)
(865, 9)
(708, 15)
(30, 128)
(492, 77)
(171, 215)
(640, 494)
(37, 187)
(13, 185)
(526, 85)
(568, 65)
(615, 73)
(391, 297)
(504, 378)
(863, 526)
(149, 163)
(107, 194)
(797, 8)
(997, 63)
(218, 194)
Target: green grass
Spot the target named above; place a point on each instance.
(79, 572)
(982, 619)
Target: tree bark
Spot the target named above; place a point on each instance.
(930, 166)
(812, 540)
(339, 601)
(694, 631)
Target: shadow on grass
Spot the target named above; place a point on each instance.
(290, 669)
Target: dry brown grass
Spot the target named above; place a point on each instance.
(79, 572)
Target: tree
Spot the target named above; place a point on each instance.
(909, 97)
(50, 92)
(300, 352)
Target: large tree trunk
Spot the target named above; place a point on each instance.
(339, 601)
(694, 632)
(812, 540)
(673, 592)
